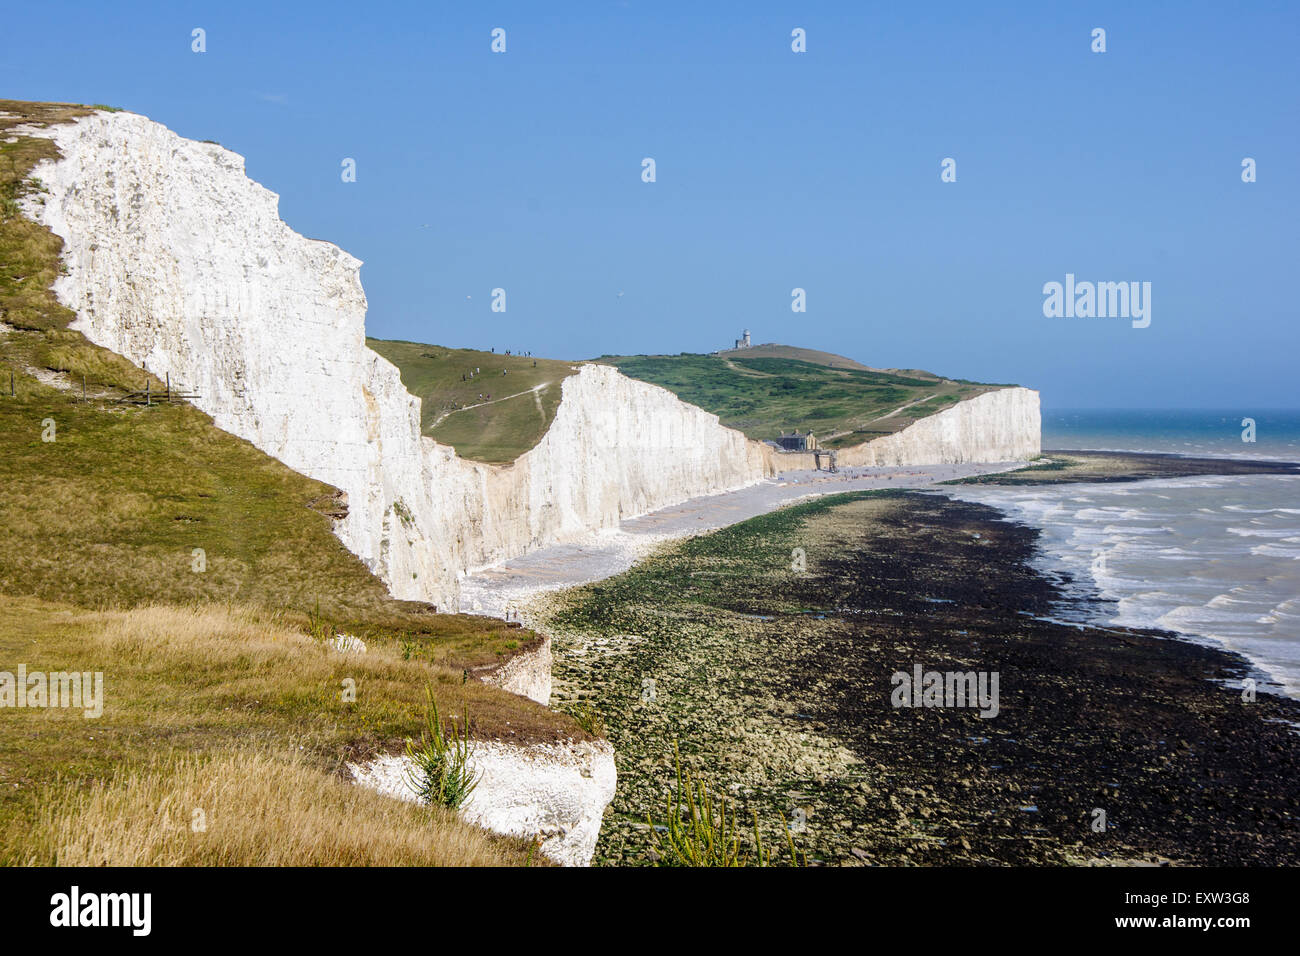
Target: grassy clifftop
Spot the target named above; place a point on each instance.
(488, 406)
(769, 389)
(201, 577)
(762, 391)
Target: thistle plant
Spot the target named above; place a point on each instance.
(440, 773)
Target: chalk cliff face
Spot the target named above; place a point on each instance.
(527, 674)
(1001, 425)
(617, 448)
(555, 793)
(180, 262)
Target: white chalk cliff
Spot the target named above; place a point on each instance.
(181, 263)
(999, 425)
(556, 793)
(178, 261)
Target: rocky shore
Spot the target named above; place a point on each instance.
(1062, 467)
(766, 651)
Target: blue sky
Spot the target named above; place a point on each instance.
(775, 170)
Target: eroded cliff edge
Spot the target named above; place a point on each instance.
(175, 259)
(1001, 425)
(181, 263)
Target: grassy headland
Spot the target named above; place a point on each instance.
(216, 709)
(764, 391)
(761, 391)
(494, 414)
(255, 809)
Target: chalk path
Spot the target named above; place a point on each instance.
(506, 588)
(535, 390)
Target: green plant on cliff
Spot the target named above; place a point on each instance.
(588, 718)
(699, 832)
(441, 775)
(319, 629)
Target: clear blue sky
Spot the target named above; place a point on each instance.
(775, 170)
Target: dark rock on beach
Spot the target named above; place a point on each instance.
(1109, 745)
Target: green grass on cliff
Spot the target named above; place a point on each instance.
(494, 414)
(105, 501)
(761, 391)
(768, 390)
(215, 690)
(189, 568)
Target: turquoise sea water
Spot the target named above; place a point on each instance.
(1216, 559)
(1186, 432)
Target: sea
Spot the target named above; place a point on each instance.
(1214, 559)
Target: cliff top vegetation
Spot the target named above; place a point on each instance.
(761, 391)
(201, 577)
(489, 406)
(769, 389)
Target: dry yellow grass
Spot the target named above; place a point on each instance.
(185, 688)
(209, 637)
(226, 656)
(109, 513)
(251, 809)
(107, 517)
